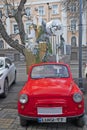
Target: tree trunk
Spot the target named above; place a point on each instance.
(31, 58)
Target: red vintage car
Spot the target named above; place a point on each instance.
(50, 95)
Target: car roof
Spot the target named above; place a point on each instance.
(46, 63)
(51, 63)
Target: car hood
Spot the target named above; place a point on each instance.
(2, 70)
(50, 86)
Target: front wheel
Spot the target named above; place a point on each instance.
(5, 93)
(86, 76)
(23, 122)
(14, 78)
(80, 121)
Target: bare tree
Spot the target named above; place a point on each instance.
(17, 13)
(18, 17)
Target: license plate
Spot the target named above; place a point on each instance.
(53, 119)
(49, 111)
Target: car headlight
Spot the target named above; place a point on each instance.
(1, 74)
(77, 97)
(23, 98)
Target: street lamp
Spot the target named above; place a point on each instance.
(80, 46)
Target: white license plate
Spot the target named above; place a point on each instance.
(53, 119)
(49, 111)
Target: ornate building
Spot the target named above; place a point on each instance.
(47, 10)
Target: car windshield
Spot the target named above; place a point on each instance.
(1, 63)
(50, 71)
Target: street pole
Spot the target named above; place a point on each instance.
(80, 46)
(49, 8)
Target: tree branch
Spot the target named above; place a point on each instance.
(18, 18)
(21, 5)
(9, 40)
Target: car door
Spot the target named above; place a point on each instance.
(9, 65)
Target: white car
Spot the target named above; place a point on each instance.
(85, 71)
(7, 75)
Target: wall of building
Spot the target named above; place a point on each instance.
(12, 54)
(48, 15)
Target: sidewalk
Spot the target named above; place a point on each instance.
(9, 120)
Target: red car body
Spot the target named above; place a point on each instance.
(50, 98)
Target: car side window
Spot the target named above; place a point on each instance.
(63, 71)
(8, 62)
(1, 63)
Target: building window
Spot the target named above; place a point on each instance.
(73, 25)
(41, 10)
(73, 8)
(54, 9)
(73, 41)
(28, 29)
(15, 29)
(0, 14)
(28, 11)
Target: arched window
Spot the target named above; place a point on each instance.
(1, 44)
(73, 41)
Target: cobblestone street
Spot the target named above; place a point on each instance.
(9, 120)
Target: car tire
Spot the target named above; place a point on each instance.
(14, 79)
(86, 76)
(23, 122)
(5, 93)
(80, 122)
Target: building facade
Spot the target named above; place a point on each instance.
(47, 10)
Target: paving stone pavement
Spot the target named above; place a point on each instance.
(9, 120)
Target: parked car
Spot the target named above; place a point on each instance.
(7, 75)
(85, 71)
(50, 95)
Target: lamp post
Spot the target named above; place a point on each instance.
(80, 46)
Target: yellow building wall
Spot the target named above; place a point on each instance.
(48, 14)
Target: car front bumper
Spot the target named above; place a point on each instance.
(37, 118)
